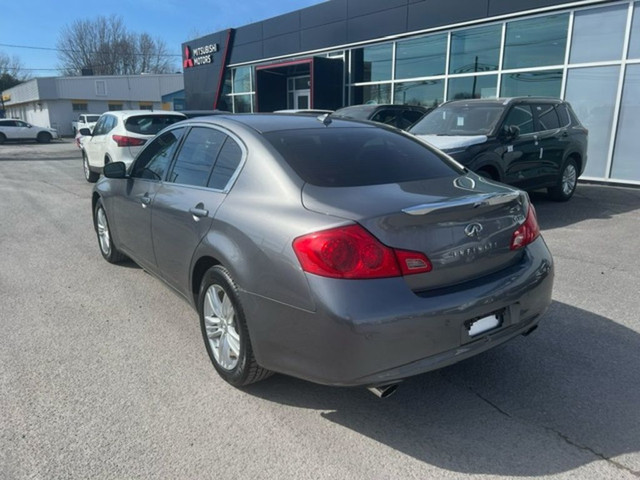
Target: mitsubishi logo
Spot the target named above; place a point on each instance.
(473, 230)
(187, 62)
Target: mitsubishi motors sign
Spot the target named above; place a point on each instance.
(194, 57)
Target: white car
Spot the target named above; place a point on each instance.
(119, 136)
(12, 129)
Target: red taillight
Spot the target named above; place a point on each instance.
(123, 141)
(352, 252)
(527, 232)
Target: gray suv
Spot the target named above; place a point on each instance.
(529, 142)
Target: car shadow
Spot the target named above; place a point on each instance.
(590, 201)
(567, 395)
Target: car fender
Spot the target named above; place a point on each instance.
(492, 160)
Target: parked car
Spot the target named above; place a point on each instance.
(12, 129)
(84, 120)
(119, 136)
(340, 252)
(529, 142)
(399, 116)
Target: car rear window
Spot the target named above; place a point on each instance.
(150, 124)
(349, 157)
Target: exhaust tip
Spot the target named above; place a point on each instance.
(383, 391)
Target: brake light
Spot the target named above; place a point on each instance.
(123, 141)
(352, 252)
(527, 232)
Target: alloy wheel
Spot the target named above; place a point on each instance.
(103, 231)
(569, 179)
(221, 327)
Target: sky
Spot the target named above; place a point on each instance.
(38, 23)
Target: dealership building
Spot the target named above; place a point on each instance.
(347, 52)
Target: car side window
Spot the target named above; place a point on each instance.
(387, 117)
(522, 117)
(409, 117)
(547, 117)
(563, 115)
(226, 164)
(196, 157)
(99, 129)
(154, 160)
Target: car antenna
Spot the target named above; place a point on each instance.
(325, 118)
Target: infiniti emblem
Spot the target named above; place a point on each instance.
(472, 230)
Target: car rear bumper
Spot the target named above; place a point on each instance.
(377, 332)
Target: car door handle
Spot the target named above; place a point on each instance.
(198, 212)
(145, 200)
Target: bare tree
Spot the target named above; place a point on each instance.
(106, 47)
(11, 71)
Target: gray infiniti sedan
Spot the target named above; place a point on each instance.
(331, 250)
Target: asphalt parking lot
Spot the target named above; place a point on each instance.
(104, 373)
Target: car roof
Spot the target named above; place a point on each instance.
(130, 113)
(271, 122)
(502, 101)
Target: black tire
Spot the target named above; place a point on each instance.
(566, 183)
(91, 177)
(2, 138)
(44, 137)
(105, 241)
(486, 173)
(224, 327)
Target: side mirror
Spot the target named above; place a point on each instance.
(510, 132)
(84, 131)
(115, 170)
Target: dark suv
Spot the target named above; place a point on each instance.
(399, 116)
(529, 142)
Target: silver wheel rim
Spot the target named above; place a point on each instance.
(569, 179)
(85, 165)
(103, 231)
(221, 327)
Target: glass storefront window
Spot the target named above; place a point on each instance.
(592, 94)
(242, 103)
(536, 42)
(598, 34)
(479, 86)
(428, 93)
(372, 94)
(539, 84)
(372, 64)
(475, 49)
(242, 80)
(634, 44)
(625, 156)
(421, 57)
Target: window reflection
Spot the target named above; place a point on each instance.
(478, 86)
(625, 158)
(598, 34)
(634, 44)
(421, 57)
(428, 93)
(475, 50)
(372, 94)
(539, 84)
(242, 80)
(536, 42)
(372, 64)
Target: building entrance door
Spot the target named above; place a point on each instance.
(299, 92)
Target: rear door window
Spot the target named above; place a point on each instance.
(563, 115)
(347, 157)
(547, 117)
(197, 156)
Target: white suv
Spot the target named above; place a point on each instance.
(119, 136)
(12, 129)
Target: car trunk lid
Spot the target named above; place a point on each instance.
(463, 224)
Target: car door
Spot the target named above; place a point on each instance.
(25, 131)
(186, 203)
(95, 145)
(132, 206)
(520, 155)
(553, 140)
(10, 129)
